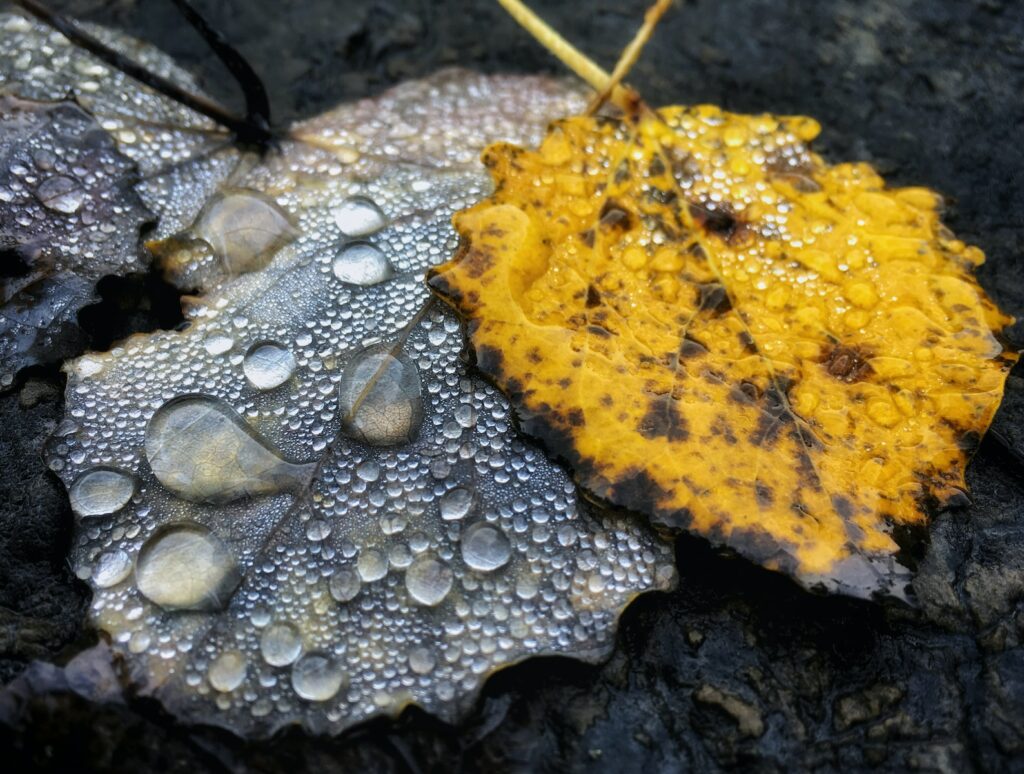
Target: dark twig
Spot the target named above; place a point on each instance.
(257, 104)
(245, 129)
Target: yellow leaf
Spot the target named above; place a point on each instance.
(715, 328)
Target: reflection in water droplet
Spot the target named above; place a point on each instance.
(202, 451)
(245, 229)
(186, 567)
(422, 660)
(485, 547)
(344, 585)
(358, 216)
(361, 263)
(61, 194)
(111, 568)
(428, 580)
(280, 644)
(268, 365)
(380, 401)
(317, 677)
(100, 491)
(455, 504)
(227, 671)
(372, 565)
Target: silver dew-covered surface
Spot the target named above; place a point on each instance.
(331, 516)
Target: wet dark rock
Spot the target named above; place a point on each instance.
(739, 667)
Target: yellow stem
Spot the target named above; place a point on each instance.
(565, 51)
(630, 54)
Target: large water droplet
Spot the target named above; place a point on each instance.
(61, 194)
(344, 585)
(372, 564)
(268, 365)
(422, 660)
(202, 451)
(111, 568)
(455, 504)
(485, 547)
(245, 229)
(380, 399)
(317, 677)
(428, 580)
(361, 263)
(227, 671)
(100, 491)
(280, 644)
(358, 216)
(186, 567)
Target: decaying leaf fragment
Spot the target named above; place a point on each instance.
(304, 507)
(69, 214)
(721, 331)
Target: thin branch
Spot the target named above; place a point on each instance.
(630, 54)
(243, 128)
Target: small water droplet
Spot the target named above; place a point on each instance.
(455, 504)
(245, 229)
(358, 216)
(280, 644)
(422, 660)
(111, 568)
(428, 580)
(202, 451)
(380, 400)
(317, 677)
(360, 263)
(372, 565)
(368, 471)
(268, 365)
(100, 491)
(61, 194)
(217, 343)
(227, 671)
(485, 547)
(345, 585)
(186, 567)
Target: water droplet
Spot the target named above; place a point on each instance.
(455, 504)
(360, 263)
(100, 491)
(268, 365)
(372, 565)
(465, 415)
(368, 471)
(280, 644)
(186, 567)
(317, 677)
(422, 660)
(345, 585)
(485, 547)
(428, 580)
(218, 343)
(61, 194)
(202, 451)
(111, 568)
(358, 216)
(380, 401)
(245, 229)
(227, 671)
(318, 530)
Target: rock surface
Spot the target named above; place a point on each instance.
(738, 667)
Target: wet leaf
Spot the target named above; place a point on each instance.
(304, 507)
(68, 215)
(721, 331)
(87, 158)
